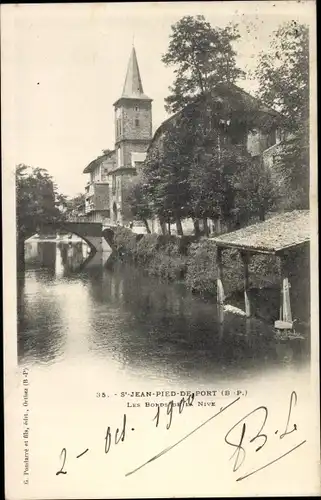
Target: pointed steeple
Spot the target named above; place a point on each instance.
(133, 87)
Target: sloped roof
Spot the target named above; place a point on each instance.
(93, 164)
(133, 87)
(238, 100)
(281, 232)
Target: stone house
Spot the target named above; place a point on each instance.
(97, 190)
(232, 116)
(229, 117)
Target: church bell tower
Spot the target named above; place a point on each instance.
(133, 133)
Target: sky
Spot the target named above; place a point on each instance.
(64, 65)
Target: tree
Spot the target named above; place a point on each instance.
(202, 56)
(166, 171)
(75, 206)
(292, 164)
(256, 192)
(36, 203)
(36, 199)
(283, 75)
(137, 200)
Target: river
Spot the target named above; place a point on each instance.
(130, 323)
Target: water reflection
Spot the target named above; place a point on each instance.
(135, 323)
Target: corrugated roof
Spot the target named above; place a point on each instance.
(283, 231)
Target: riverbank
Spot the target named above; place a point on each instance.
(192, 261)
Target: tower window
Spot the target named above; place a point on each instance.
(137, 122)
(118, 127)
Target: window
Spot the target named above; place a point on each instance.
(118, 157)
(137, 122)
(136, 108)
(118, 127)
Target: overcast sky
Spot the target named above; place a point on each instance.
(64, 65)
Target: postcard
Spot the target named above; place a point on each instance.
(160, 250)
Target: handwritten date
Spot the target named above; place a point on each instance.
(247, 435)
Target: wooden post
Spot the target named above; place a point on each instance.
(246, 259)
(220, 315)
(286, 303)
(220, 288)
(286, 321)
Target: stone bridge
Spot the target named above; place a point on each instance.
(93, 233)
(99, 238)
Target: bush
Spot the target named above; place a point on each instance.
(161, 256)
(201, 270)
(201, 273)
(166, 257)
(125, 241)
(264, 270)
(146, 248)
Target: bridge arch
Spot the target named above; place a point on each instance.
(93, 233)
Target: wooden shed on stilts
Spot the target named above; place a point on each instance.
(279, 236)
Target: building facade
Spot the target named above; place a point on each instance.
(97, 190)
(229, 114)
(112, 172)
(233, 117)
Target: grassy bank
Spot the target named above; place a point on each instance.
(194, 262)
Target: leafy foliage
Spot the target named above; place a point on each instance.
(75, 206)
(125, 241)
(166, 171)
(202, 56)
(213, 181)
(201, 272)
(199, 168)
(136, 199)
(256, 191)
(292, 163)
(283, 73)
(37, 199)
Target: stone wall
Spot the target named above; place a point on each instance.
(136, 120)
(107, 166)
(101, 196)
(129, 147)
(98, 216)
